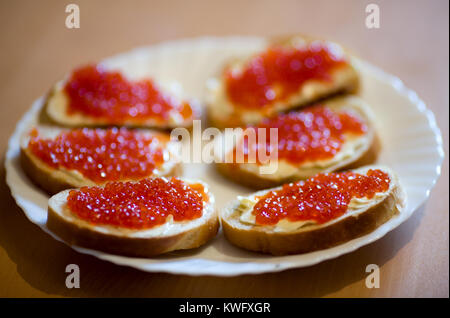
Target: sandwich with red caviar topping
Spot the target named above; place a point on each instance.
(95, 96)
(140, 219)
(324, 211)
(290, 73)
(57, 159)
(336, 134)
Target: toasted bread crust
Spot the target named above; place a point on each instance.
(42, 175)
(53, 181)
(260, 239)
(74, 234)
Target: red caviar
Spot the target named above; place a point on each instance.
(101, 155)
(308, 135)
(321, 198)
(277, 73)
(138, 205)
(98, 93)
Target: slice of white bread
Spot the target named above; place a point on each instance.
(57, 103)
(222, 113)
(284, 238)
(55, 180)
(356, 151)
(164, 238)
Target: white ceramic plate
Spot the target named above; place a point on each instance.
(411, 145)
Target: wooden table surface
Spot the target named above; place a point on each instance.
(37, 49)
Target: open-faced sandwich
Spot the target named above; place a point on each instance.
(58, 159)
(289, 73)
(321, 212)
(141, 219)
(95, 96)
(335, 134)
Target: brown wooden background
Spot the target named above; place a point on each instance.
(37, 49)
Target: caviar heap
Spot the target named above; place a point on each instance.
(101, 155)
(102, 94)
(316, 133)
(278, 73)
(138, 205)
(321, 198)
